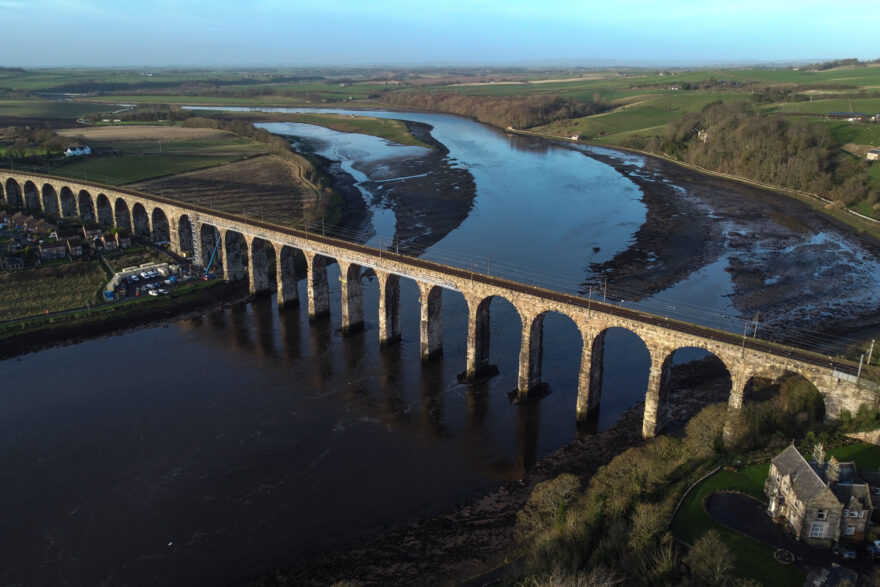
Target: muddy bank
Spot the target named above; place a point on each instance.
(800, 272)
(477, 536)
(430, 195)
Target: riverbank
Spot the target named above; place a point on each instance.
(109, 320)
(479, 535)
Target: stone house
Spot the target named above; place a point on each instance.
(821, 501)
(92, 232)
(76, 247)
(49, 251)
(874, 155)
(107, 242)
(123, 239)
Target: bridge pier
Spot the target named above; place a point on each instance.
(258, 275)
(430, 322)
(233, 264)
(198, 255)
(389, 308)
(352, 298)
(478, 366)
(317, 286)
(655, 397)
(285, 276)
(531, 357)
(590, 375)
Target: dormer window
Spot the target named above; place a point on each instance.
(822, 514)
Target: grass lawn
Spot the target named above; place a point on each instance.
(57, 287)
(753, 559)
(865, 456)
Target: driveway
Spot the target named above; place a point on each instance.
(747, 515)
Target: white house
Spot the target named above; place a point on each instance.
(874, 155)
(78, 151)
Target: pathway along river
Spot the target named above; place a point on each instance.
(213, 449)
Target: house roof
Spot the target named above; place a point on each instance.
(804, 480)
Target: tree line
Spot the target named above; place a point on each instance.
(766, 147)
(501, 111)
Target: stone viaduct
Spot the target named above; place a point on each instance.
(246, 244)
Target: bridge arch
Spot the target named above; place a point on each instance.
(68, 202)
(2, 192)
(50, 200)
(235, 255)
(161, 231)
(31, 196)
(619, 375)
(286, 278)
(532, 352)
(141, 220)
(317, 285)
(212, 249)
(690, 379)
(13, 194)
(86, 207)
(262, 265)
(123, 214)
(479, 334)
(185, 234)
(104, 210)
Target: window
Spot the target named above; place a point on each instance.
(849, 530)
(822, 514)
(817, 531)
(845, 513)
(862, 514)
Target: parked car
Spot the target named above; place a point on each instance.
(844, 551)
(153, 292)
(874, 549)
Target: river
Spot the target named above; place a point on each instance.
(212, 450)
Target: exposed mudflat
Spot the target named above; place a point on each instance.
(793, 267)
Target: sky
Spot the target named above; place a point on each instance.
(38, 33)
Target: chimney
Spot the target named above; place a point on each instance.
(819, 454)
(832, 474)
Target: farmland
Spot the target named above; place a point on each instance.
(52, 288)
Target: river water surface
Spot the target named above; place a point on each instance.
(214, 449)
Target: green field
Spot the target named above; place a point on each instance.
(870, 106)
(858, 133)
(646, 113)
(139, 161)
(48, 108)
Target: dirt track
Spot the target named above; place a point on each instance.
(137, 132)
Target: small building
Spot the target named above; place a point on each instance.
(69, 233)
(76, 247)
(11, 263)
(874, 155)
(107, 242)
(123, 239)
(78, 151)
(91, 232)
(821, 501)
(50, 251)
